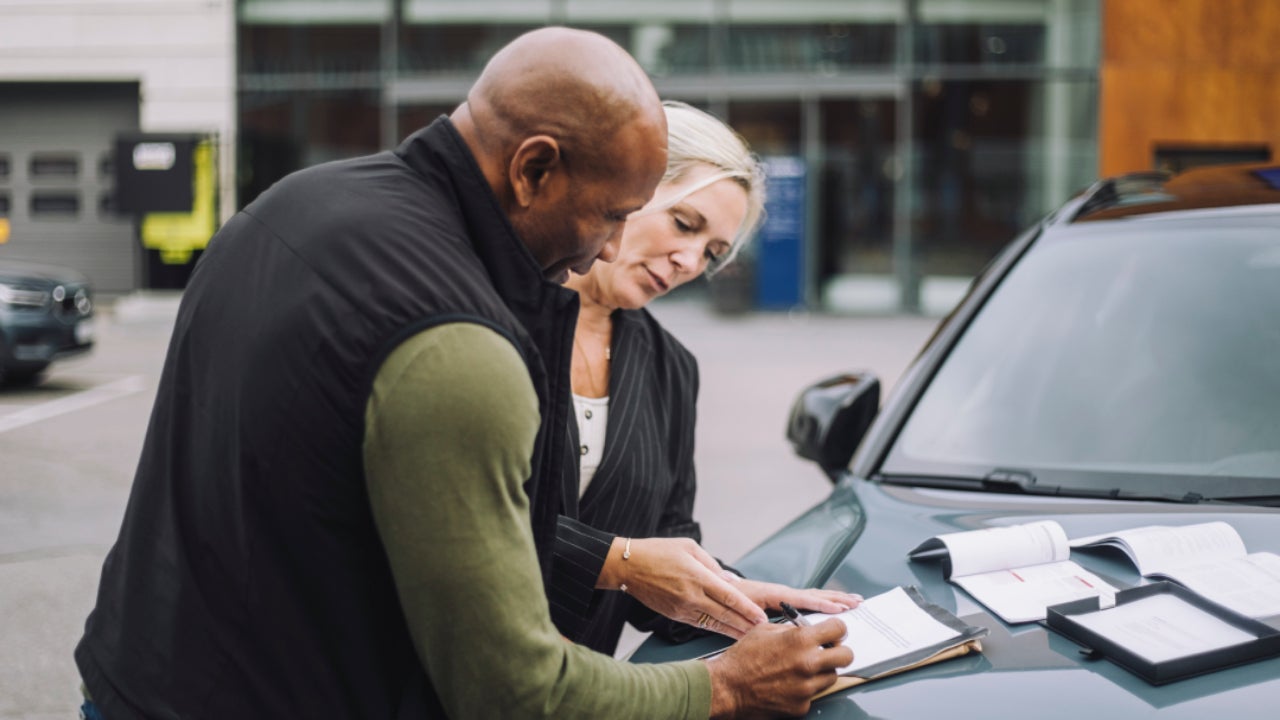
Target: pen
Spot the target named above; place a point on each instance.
(797, 619)
(793, 617)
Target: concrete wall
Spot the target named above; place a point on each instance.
(181, 52)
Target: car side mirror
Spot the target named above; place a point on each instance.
(830, 417)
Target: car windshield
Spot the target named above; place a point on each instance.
(1115, 355)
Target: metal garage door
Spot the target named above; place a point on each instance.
(56, 145)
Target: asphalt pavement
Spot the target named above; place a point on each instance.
(68, 448)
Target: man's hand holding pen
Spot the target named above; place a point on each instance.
(795, 618)
(778, 668)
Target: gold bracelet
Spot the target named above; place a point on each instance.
(626, 555)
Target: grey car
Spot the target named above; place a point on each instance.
(46, 313)
(1116, 366)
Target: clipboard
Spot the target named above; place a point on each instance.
(1077, 621)
(844, 682)
(962, 640)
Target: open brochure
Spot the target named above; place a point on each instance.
(1206, 558)
(1015, 571)
(897, 631)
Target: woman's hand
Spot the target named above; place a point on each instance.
(772, 595)
(677, 578)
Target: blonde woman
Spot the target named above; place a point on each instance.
(631, 552)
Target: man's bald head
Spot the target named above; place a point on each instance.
(565, 82)
(558, 120)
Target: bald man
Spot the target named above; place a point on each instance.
(335, 511)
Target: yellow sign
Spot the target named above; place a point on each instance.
(4, 230)
(177, 235)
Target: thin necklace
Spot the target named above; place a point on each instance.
(591, 371)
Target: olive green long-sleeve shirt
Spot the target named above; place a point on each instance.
(450, 429)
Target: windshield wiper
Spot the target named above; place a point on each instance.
(1260, 500)
(1011, 481)
(1023, 482)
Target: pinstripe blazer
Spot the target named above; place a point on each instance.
(644, 486)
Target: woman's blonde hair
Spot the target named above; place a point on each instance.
(697, 138)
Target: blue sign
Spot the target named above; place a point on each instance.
(780, 241)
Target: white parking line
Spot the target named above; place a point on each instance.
(72, 403)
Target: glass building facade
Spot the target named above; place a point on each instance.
(924, 134)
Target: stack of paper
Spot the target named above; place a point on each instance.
(899, 630)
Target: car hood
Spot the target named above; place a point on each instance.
(14, 270)
(1024, 670)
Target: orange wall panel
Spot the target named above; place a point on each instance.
(1187, 72)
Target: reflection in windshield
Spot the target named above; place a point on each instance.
(1138, 352)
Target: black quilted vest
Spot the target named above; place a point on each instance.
(248, 580)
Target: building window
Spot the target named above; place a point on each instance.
(4, 204)
(454, 48)
(325, 53)
(822, 48)
(280, 133)
(411, 118)
(855, 187)
(59, 165)
(54, 205)
(933, 130)
(4, 166)
(771, 128)
(981, 44)
(984, 152)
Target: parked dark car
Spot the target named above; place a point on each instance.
(1116, 366)
(46, 313)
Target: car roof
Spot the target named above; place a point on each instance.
(1157, 193)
